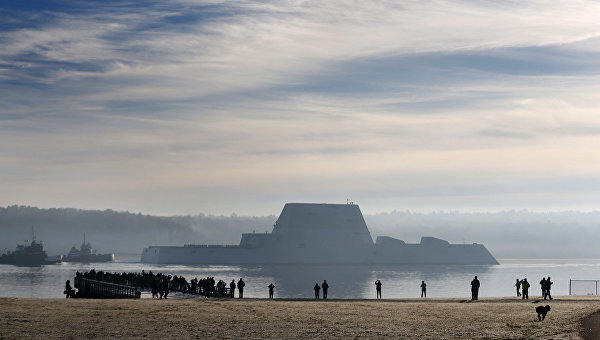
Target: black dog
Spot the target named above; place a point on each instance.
(542, 311)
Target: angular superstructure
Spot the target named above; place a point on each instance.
(308, 233)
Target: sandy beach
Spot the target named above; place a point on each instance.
(498, 318)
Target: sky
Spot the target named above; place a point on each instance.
(185, 107)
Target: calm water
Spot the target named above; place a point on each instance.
(344, 281)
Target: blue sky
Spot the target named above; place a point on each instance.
(206, 106)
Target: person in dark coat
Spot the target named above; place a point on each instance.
(525, 288)
(240, 286)
(317, 290)
(166, 286)
(325, 287)
(271, 287)
(548, 287)
(475, 289)
(69, 292)
(423, 289)
(161, 289)
(232, 288)
(154, 288)
(378, 288)
(543, 287)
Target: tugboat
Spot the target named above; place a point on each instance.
(87, 254)
(29, 255)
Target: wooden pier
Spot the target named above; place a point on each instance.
(103, 290)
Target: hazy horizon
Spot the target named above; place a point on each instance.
(509, 234)
(276, 212)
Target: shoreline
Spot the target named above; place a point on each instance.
(452, 318)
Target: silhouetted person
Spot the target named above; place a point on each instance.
(271, 287)
(240, 286)
(378, 288)
(325, 286)
(232, 288)
(525, 288)
(68, 289)
(424, 289)
(548, 287)
(475, 289)
(317, 290)
(161, 290)
(166, 286)
(518, 285)
(543, 287)
(154, 288)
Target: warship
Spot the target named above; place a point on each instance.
(86, 254)
(29, 255)
(310, 233)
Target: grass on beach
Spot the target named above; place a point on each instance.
(499, 318)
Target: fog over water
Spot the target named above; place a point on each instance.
(345, 281)
(508, 234)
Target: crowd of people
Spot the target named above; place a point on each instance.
(523, 288)
(143, 280)
(161, 285)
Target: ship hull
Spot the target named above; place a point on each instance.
(90, 258)
(404, 255)
(29, 260)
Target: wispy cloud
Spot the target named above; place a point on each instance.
(205, 103)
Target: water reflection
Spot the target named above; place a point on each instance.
(297, 281)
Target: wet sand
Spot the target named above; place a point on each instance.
(497, 318)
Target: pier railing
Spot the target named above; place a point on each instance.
(104, 290)
(213, 293)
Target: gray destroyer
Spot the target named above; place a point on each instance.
(308, 233)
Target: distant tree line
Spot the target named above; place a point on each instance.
(507, 234)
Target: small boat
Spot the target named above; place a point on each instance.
(87, 254)
(29, 255)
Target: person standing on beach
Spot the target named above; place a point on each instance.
(325, 286)
(518, 285)
(525, 288)
(317, 290)
(68, 289)
(155, 287)
(548, 286)
(475, 289)
(165, 284)
(240, 286)
(543, 286)
(232, 288)
(423, 289)
(378, 288)
(271, 287)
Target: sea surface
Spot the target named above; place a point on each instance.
(345, 281)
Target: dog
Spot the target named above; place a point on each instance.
(542, 311)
